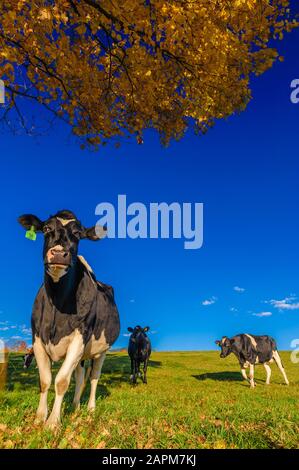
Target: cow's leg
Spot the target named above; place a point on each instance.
(132, 369)
(79, 376)
(45, 378)
(244, 375)
(277, 359)
(94, 378)
(62, 380)
(268, 371)
(145, 371)
(251, 375)
(139, 373)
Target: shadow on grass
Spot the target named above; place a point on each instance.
(227, 376)
(116, 369)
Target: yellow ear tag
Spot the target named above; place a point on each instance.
(30, 234)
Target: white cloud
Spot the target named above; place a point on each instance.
(4, 328)
(132, 301)
(262, 314)
(127, 334)
(288, 303)
(26, 331)
(233, 309)
(239, 289)
(210, 301)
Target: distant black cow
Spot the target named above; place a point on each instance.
(251, 350)
(139, 351)
(28, 358)
(74, 316)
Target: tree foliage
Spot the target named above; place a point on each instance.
(111, 68)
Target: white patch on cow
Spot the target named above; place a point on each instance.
(62, 380)
(243, 372)
(84, 262)
(251, 375)
(94, 378)
(56, 271)
(268, 371)
(280, 366)
(45, 376)
(58, 351)
(64, 222)
(96, 347)
(223, 339)
(253, 342)
(246, 365)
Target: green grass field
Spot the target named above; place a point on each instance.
(192, 400)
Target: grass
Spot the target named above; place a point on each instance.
(192, 400)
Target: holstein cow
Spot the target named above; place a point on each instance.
(139, 351)
(251, 350)
(28, 358)
(74, 316)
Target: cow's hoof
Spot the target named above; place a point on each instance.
(53, 425)
(40, 419)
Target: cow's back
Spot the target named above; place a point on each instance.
(255, 348)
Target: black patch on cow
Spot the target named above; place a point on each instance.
(76, 301)
(241, 345)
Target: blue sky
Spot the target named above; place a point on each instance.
(245, 171)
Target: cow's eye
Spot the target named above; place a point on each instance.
(47, 229)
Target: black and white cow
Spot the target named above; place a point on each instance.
(28, 358)
(139, 351)
(74, 316)
(251, 350)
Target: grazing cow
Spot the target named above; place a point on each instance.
(139, 351)
(74, 316)
(251, 350)
(28, 358)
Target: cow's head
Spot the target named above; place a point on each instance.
(137, 331)
(225, 345)
(62, 233)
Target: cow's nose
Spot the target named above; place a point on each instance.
(58, 251)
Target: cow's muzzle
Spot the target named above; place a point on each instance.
(58, 256)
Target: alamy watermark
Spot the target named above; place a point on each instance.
(2, 92)
(158, 220)
(295, 354)
(295, 91)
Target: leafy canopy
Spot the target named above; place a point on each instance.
(111, 68)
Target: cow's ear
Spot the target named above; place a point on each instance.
(130, 329)
(94, 233)
(146, 329)
(217, 342)
(29, 220)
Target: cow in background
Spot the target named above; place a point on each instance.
(251, 350)
(139, 351)
(74, 316)
(28, 358)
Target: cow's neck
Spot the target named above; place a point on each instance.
(63, 292)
